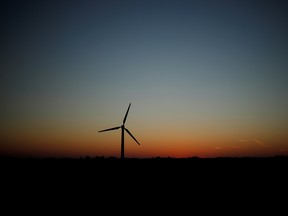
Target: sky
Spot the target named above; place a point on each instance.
(204, 78)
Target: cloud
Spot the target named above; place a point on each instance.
(218, 148)
(259, 142)
(243, 140)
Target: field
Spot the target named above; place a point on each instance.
(158, 166)
(186, 181)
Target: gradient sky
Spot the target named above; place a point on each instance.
(205, 78)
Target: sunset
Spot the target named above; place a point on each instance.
(204, 78)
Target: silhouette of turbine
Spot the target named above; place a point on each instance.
(122, 134)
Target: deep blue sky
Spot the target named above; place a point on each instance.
(209, 72)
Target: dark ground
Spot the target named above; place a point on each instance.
(100, 167)
(163, 183)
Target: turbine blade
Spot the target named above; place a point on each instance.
(126, 114)
(115, 128)
(131, 135)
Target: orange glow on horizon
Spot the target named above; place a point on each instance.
(111, 148)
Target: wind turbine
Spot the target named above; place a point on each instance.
(122, 134)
